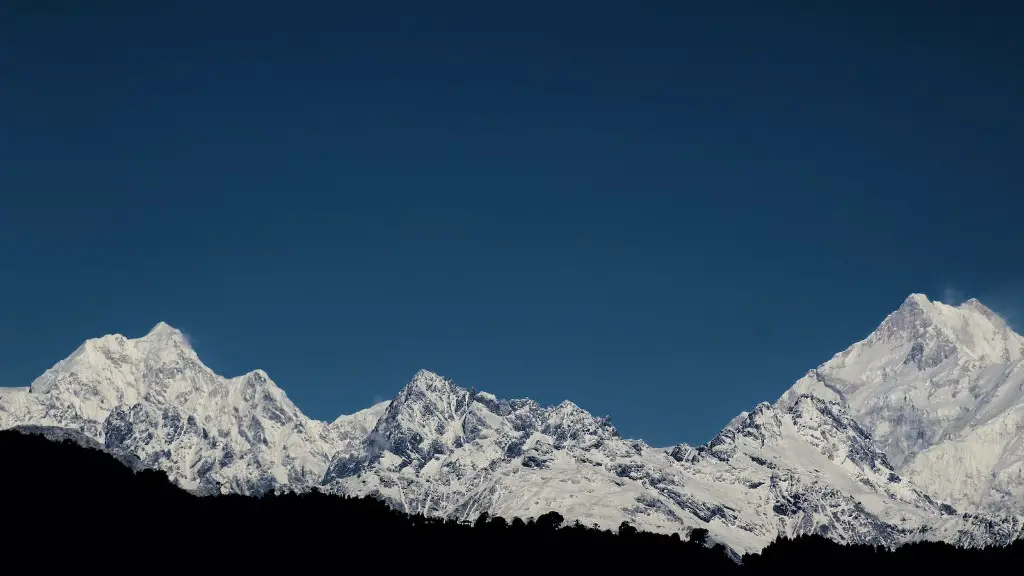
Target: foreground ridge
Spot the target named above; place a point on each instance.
(101, 505)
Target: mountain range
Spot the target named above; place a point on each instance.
(914, 433)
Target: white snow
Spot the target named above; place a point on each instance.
(928, 408)
(244, 432)
(939, 388)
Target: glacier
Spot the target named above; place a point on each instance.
(941, 391)
(915, 432)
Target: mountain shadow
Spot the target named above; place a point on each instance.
(68, 505)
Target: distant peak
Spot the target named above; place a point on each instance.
(940, 309)
(258, 374)
(165, 333)
(424, 374)
(938, 330)
(910, 319)
(163, 329)
(916, 300)
(425, 381)
(976, 305)
(921, 301)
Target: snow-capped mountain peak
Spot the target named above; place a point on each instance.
(938, 330)
(424, 419)
(164, 332)
(426, 386)
(153, 397)
(806, 464)
(162, 348)
(933, 380)
(918, 338)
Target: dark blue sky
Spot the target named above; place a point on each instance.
(665, 213)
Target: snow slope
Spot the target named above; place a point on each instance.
(865, 448)
(440, 449)
(941, 390)
(152, 397)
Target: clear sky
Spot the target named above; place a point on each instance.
(665, 213)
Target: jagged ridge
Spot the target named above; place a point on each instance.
(940, 389)
(831, 457)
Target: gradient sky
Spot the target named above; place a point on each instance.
(665, 213)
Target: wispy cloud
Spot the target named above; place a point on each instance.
(1011, 312)
(1015, 322)
(952, 296)
(1008, 302)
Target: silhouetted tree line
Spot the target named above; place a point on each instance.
(65, 506)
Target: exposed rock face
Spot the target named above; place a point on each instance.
(912, 433)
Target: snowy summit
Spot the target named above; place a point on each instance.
(912, 433)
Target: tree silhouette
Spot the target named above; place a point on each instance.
(498, 523)
(550, 520)
(104, 515)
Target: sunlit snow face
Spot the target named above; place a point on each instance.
(851, 451)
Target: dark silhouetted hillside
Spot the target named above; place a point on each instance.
(65, 505)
